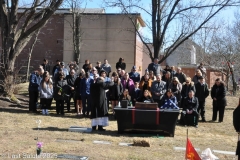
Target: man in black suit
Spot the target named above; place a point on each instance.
(45, 65)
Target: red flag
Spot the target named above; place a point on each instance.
(191, 153)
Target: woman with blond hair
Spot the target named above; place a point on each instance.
(176, 88)
(147, 97)
(186, 87)
(46, 93)
(145, 84)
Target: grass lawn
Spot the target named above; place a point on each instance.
(18, 129)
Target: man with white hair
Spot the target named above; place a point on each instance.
(158, 89)
(180, 75)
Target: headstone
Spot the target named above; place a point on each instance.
(125, 144)
(80, 129)
(67, 140)
(101, 142)
(224, 152)
(184, 149)
(69, 156)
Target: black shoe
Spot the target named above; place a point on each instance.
(94, 128)
(203, 120)
(100, 128)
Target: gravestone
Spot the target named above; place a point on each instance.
(125, 144)
(101, 142)
(69, 156)
(80, 129)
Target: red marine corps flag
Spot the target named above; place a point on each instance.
(191, 153)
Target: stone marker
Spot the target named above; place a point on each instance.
(67, 140)
(184, 149)
(224, 152)
(80, 129)
(125, 144)
(68, 156)
(101, 142)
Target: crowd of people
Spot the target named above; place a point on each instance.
(93, 88)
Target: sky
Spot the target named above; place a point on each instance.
(227, 15)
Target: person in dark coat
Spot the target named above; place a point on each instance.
(167, 78)
(45, 65)
(202, 93)
(146, 97)
(78, 97)
(186, 87)
(86, 66)
(115, 91)
(155, 67)
(218, 94)
(55, 67)
(71, 80)
(236, 118)
(98, 67)
(61, 93)
(34, 82)
(134, 75)
(169, 101)
(136, 94)
(99, 109)
(180, 75)
(190, 108)
(121, 64)
(197, 76)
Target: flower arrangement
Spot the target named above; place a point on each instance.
(39, 147)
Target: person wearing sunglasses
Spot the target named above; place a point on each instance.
(186, 87)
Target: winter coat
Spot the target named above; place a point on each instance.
(46, 92)
(186, 88)
(121, 65)
(77, 87)
(181, 77)
(115, 91)
(155, 68)
(155, 88)
(61, 85)
(168, 81)
(219, 92)
(202, 91)
(176, 89)
(85, 67)
(130, 85)
(99, 103)
(134, 76)
(190, 104)
(46, 67)
(149, 84)
(236, 119)
(195, 79)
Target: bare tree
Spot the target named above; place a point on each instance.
(223, 54)
(17, 28)
(172, 22)
(75, 24)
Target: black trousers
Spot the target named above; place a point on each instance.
(60, 106)
(158, 101)
(218, 108)
(201, 109)
(71, 96)
(187, 120)
(33, 98)
(46, 103)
